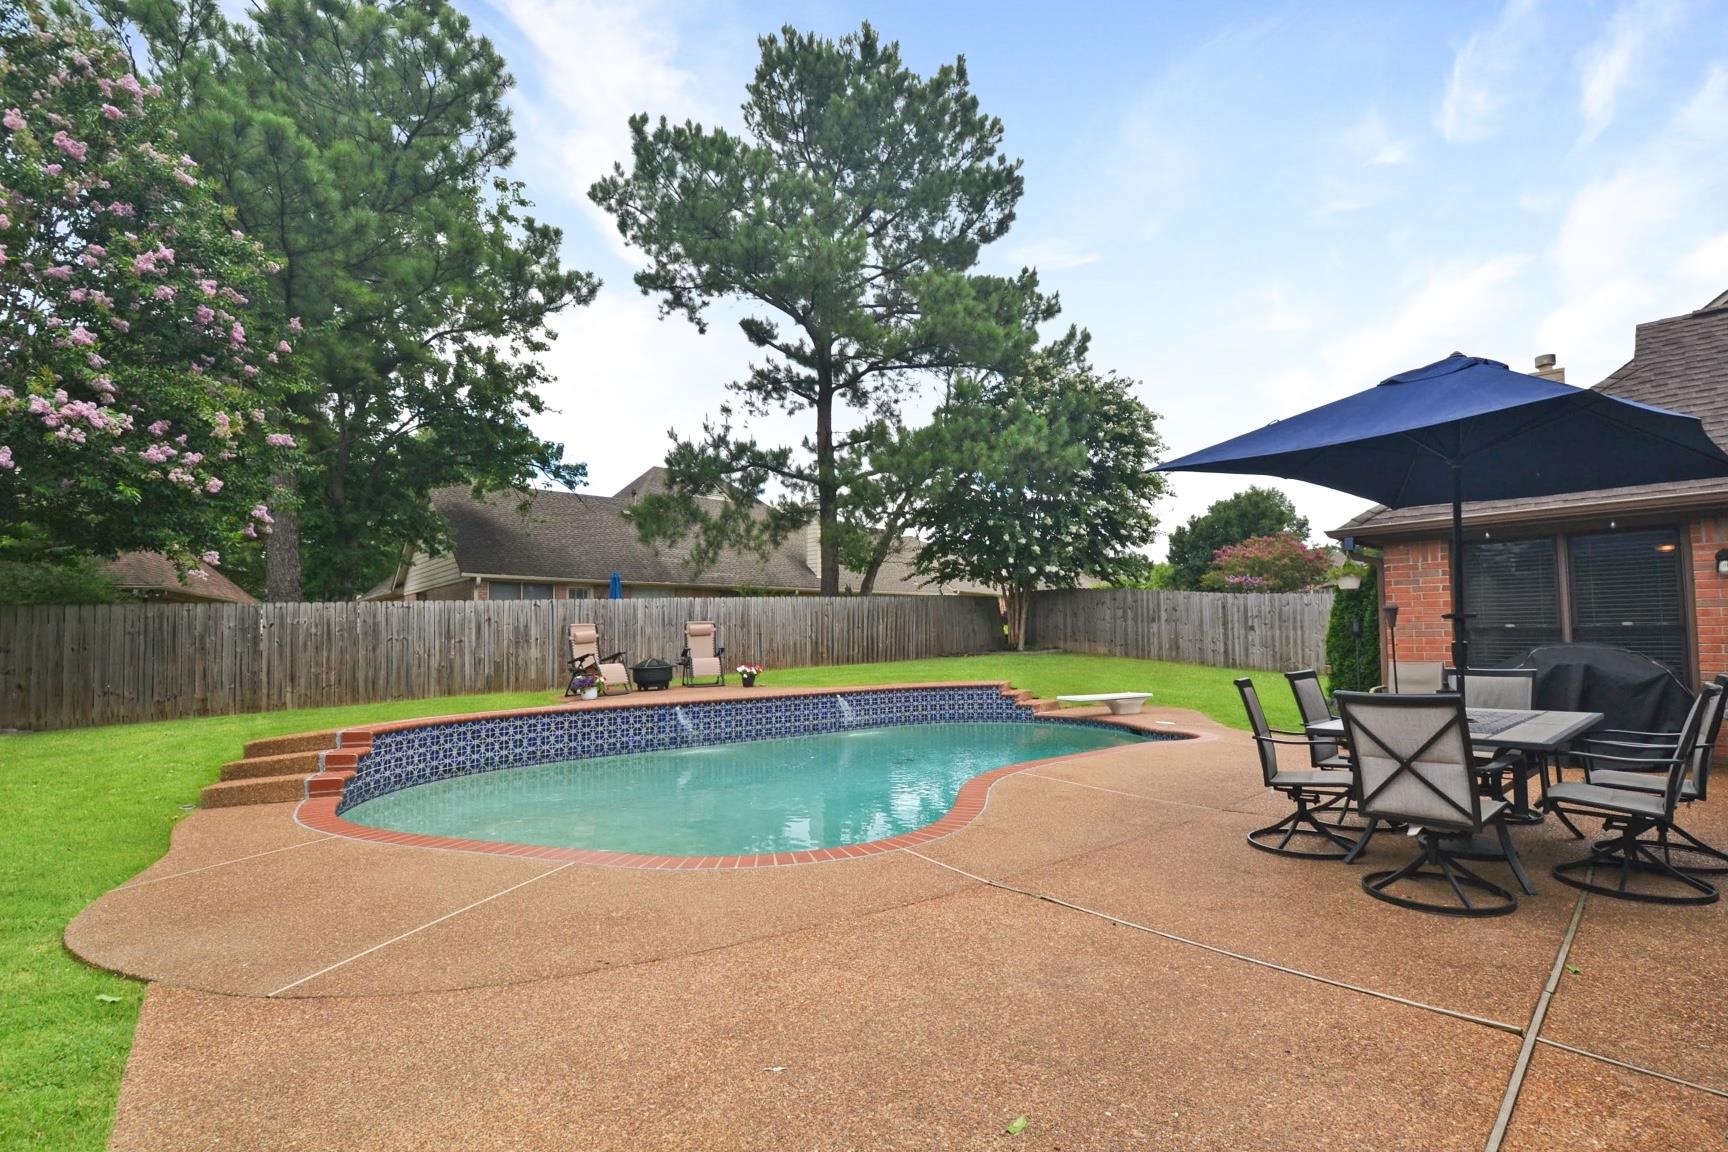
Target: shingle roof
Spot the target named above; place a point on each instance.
(152, 572)
(574, 536)
(1679, 363)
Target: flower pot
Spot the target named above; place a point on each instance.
(749, 679)
(590, 693)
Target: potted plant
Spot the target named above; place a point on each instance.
(748, 673)
(589, 686)
(1348, 575)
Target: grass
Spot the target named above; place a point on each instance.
(1050, 674)
(88, 809)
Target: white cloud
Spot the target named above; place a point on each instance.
(1049, 255)
(1640, 242)
(1483, 70)
(1609, 64)
(1370, 141)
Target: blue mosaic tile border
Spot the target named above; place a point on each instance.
(404, 758)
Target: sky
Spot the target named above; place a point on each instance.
(1254, 208)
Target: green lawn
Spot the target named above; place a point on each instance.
(86, 810)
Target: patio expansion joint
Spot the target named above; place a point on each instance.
(1483, 1021)
(1119, 792)
(328, 968)
(319, 838)
(1639, 1068)
(1538, 1015)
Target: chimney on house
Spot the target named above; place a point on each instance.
(813, 547)
(1548, 369)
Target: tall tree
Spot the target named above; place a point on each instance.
(364, 140)
(138, 378)
(848, 218)
(1251, 512)
(1049, 481)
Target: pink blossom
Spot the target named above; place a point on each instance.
(5, 221)
(6, 462)
(214, 559)
(82, 336)
(164, 292)
(284, 347)
(96, 250)
(53, 169)
(279, 440)
(249, 530)
(102, 384)
(58, 272)
(120, 325)
(112, 112)
(214, 486)
(181, 476)
(261, 514)
(237, 334)
(205, 313)
(249, 371)
(208, 287)
(120, 208)
(96, 361)
(129, 83)
(14, 120)
(160, 428)
(294, 324)
(76, 149)
(157, 454)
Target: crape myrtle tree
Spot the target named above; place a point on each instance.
(1047, 481)
(365, 141)
(139, 379)
(1255, 511)
(1281, 562)
(847, 218)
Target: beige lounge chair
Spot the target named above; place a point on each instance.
(701, 659)
(585, 660)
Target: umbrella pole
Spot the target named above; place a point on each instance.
(1460, 629)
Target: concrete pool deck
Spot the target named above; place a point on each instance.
(1098, 950)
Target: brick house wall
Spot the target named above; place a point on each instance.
(1414, 576)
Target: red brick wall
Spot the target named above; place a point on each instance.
(1710, 595)
(1413, 575)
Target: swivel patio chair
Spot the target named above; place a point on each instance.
(700, 658)
(1694, 855)
(1311, 703)
(585, 660)
(1414, 676)
(1633, 812)
(1413, 763)
(1511, 689)
(1315, 792)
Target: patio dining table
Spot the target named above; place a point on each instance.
(1539, 733)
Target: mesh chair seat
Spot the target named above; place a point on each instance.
(1319, 778)
(1642, 782)
(1607, 799)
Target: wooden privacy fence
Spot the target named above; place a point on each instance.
(1275, 630)
(74, 665)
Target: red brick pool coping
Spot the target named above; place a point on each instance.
(324, 792)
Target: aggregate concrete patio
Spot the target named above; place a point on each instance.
(1098, 951)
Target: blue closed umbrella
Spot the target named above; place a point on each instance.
(1466, 428)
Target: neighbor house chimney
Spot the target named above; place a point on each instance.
(1548, 369)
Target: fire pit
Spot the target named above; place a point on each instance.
(652, 673)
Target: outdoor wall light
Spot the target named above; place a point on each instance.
(1667, 547)
(1722, 562)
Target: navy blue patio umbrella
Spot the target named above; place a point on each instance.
(1466, 428)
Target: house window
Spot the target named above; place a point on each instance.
(516, 590)
(576, 592)
(1622, 589)
(1626, 592)
(1512, 591)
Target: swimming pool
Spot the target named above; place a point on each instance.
(813, 791)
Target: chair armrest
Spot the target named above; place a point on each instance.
(1644, 763)
(720, 653)
(615, 658)
(1671, 737)
(577, 663)
(684, 656)
(1611, 745)
(1300, 741)
(1380, 688)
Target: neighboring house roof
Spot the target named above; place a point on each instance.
(569, 536)
(1679, 363)
(153, 574)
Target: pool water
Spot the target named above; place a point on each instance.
(783, 795)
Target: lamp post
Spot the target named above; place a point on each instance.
(1391, 613)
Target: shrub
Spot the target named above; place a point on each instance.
(1355, 667)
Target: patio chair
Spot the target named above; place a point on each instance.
(1415, 676)
(585, 660)
(1313, 792)
(1696, 856)
(1633, 812)
(1311, 703)
(1513, 689)
(700, 658)
(1413, 764)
